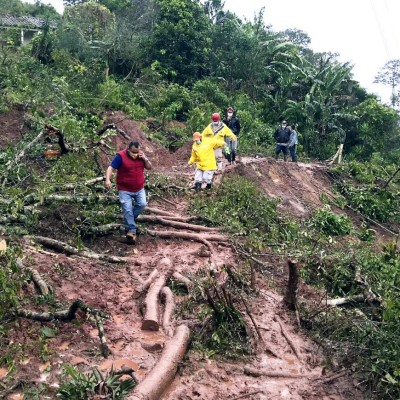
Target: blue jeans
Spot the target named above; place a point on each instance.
(293, 154)
(129, 211)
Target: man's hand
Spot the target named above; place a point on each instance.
(143, 156)
(108, 184)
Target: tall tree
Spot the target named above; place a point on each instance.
(180, 44)
(390, 75)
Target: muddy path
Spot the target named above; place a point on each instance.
(285, 363)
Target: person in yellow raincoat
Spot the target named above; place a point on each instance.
(203, 156)
(217, 129)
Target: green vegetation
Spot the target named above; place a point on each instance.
(84, 386)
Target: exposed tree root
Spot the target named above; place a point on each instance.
(288, 338)
(151, 315)
(66, 248)
(169, 309)
(146, 284)
(174, 224)
(256, 372)
(159, 378)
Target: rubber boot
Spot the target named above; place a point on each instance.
(209, 186)
(197, 186)
(233, 157)
(284, 157)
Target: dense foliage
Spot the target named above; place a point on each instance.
(183, 60)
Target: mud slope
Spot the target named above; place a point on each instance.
(111, 288)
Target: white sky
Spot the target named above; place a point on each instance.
(364, 32)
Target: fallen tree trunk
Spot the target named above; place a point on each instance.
(159, 378)
(151, 315)
(359, 298)
(71, 186)
(175, 224)
(146, 284)
(66, 248)
(63, 315)
(202, 238)
(30, 199)
(159, 211)
(37, 279)
(169, 309)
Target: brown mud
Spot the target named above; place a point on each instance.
(110, 288)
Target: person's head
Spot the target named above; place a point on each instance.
(216, 118)
(197, 137)
(284, 124)
(293, 127)
(133, 149)
(229, 112)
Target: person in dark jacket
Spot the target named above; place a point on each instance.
(282, 138)
(233, 123)
(130, 165)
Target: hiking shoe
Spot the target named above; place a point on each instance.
(131, 237)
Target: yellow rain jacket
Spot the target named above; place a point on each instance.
(203, 153)
(221, 133)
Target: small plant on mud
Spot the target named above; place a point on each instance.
(86, 387)
(223, 329)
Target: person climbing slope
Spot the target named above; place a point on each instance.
(204, 158)
(217, 129)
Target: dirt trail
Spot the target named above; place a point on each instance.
(111, 287)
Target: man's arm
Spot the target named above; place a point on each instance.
(147, 163)
(109, 173)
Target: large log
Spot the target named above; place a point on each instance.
(174, 224)
(66, 248)
(159, 378)
(151, 315)
(169, 309)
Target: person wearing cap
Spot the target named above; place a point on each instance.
(282, 137)
(217, 129)
(233, 123)
(204, 158)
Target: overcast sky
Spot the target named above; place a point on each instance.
(364, 32)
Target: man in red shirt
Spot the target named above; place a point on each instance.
(130, 164)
